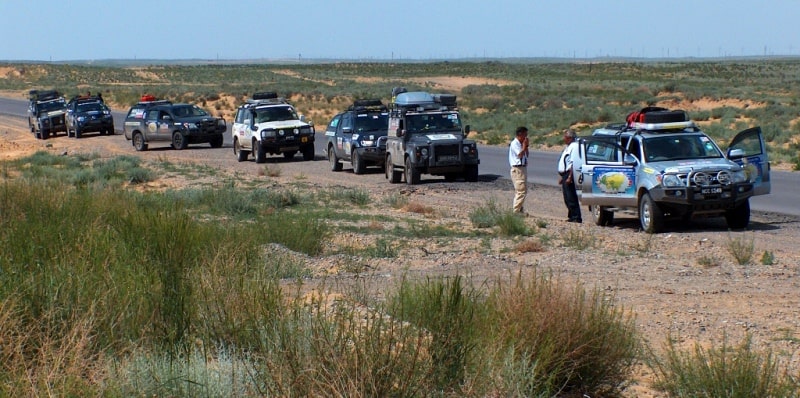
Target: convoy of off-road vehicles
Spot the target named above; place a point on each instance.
(656, 165)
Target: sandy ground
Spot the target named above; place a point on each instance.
(683, 283)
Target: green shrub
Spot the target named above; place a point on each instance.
(554, 339)
(722, 371)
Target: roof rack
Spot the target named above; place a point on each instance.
(43, 95)
(422, 101)
(266, 98)
(265, 95)
(663, 126)
(365, 105)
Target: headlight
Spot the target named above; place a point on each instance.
(424, 151)
(465, 148)
(190, 126)
(296, 131)
(281, 133)
(367, 143)
(739, 176)
(671, 180)
(81, 118)
(267, 134)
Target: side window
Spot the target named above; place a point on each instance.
(601, 151)
(334, 123)
(239, 116)
(635, 149)
(347, 121)
(152, 115)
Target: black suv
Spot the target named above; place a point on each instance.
(46, 110)
(179, 124)
(88, 114)
(358, 135)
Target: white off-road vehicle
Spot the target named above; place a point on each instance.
(268, 124)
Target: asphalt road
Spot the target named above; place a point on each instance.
(785, 196)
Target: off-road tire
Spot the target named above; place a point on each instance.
(359, 167)
(336, 165)
(651, 217)
(259, 153)
(601, 216)
(412, 174)
(308, 152)
(739, 217)
(179, 141)
(241, 155)
(138, 142)
(217, 141)
(471, 173)
(391, 174)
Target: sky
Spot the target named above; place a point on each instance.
(304, 30)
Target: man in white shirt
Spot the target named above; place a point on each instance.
(569, 161)
(518, 160)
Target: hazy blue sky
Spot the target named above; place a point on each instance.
(59, 30)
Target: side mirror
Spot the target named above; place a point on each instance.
(735, 153)
(466, 130)
(630, 160)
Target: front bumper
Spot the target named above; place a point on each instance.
(708, 198)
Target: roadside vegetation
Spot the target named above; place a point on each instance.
(215, 290)
(725, 97)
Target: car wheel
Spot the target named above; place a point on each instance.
(601, 216)
(336, 165)
(391, 174)
(31, 126)
(412, 174)
(260, 153)
(179, 141)
(138, 142)
(45, 135)
(308, 152)
(78, 132)
(650, 215)
(471, 173)
(237, 150)
(358, 164)
(739, 217)
(217, 141)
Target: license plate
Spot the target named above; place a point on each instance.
(711, 190)
(448, 158)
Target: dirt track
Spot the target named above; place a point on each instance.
(683, 283)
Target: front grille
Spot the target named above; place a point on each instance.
(207, 126)
(446, 150)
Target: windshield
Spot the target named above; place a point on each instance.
(91, 106)
(659, 149)
(275, 114)
(51, 105)
(188, 110)
(433, 122)
(371, 122)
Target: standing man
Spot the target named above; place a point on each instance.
(518, 160)
(570, 159)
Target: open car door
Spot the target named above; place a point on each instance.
(754, 158)
(606, 171)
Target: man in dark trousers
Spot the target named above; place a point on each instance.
(569, 160)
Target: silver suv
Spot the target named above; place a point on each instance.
(670, 169)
